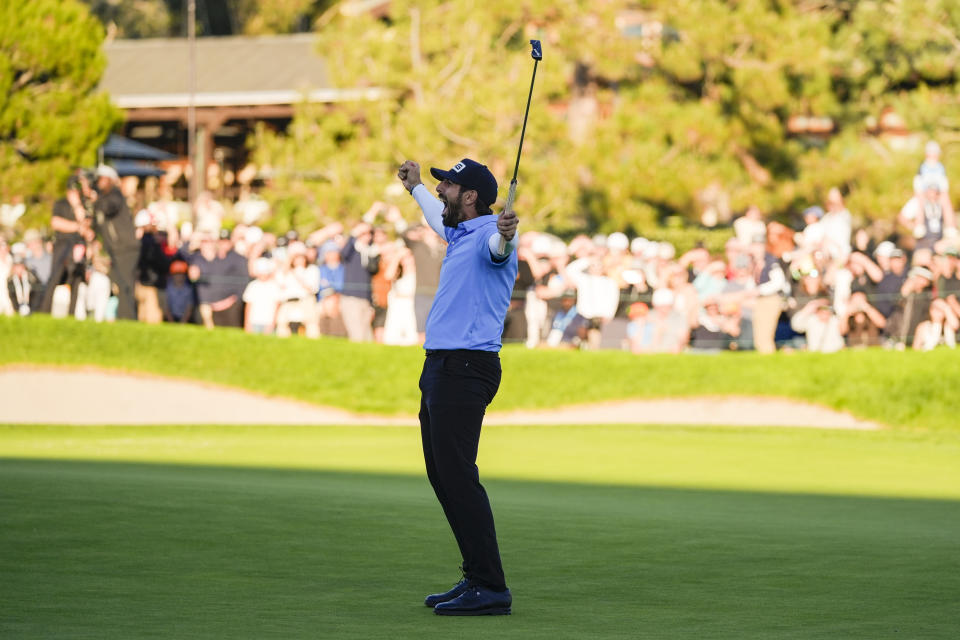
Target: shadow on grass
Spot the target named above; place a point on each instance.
(116, 550)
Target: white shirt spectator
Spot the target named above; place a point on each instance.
(262, 298)
(597, 294)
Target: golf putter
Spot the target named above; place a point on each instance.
(537, 54)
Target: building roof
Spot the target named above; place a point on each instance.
(232, 70)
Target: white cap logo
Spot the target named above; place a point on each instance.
(459, 167)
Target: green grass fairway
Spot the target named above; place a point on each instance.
(640, 532)
(910, 390)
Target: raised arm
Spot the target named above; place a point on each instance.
(432, 208)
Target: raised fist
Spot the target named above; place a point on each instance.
(409, 175)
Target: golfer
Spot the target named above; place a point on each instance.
(461, 372)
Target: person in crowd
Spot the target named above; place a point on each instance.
(947, 265)
(813, 236)
(38, 260)
(209, 214)
(179, 298)
(71, 228)
(299, 283)
(837, 223)
(6, 266)
(916, 296)
(262, 297)
(220, 276)
(771, 286)
(99, 288)
(21, 283)
(534, 255)
(670, 329)
(379, 284)
(750, 226)
(893, 265)
(861, 324)
(400, 325)
(114, 225)
(821, 326)
(928, 216)
(515, 322)
(330, 290)
(152, 268)
(639, 329)
(715, 331)
(360, 261)
(427, 250)
(568, 328)
(859, 274)
(940, 329)
(931, 167)
(597, 294)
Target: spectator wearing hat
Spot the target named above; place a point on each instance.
(262, 297)
(299, 283)
(928, 216)
(567, 328)
(220, 276)
(893, 265)
(820, 325)
(814, 232)
(152, 268)
(331, 288)
(179, 299)
(947, 273)
(71, 230)
(114, 224)
(913, 307)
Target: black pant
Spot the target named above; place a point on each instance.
(123, 273)
(456, 387)
(63, 270)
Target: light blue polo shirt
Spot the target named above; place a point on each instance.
(474, 291)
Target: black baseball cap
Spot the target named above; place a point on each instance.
(471, 175)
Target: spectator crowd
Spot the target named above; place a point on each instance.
(822, 286)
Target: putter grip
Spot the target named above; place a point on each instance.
(508, 207)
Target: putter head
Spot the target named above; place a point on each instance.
(536, 52)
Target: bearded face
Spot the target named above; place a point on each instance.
(452, 209)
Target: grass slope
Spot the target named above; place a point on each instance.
(914, 390)
(107, 550)
(887, 463)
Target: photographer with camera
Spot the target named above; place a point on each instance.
(114, 224)
(71, 226)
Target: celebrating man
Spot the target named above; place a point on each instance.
(461, 373)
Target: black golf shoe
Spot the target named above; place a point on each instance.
(436, 598)
(477, 601)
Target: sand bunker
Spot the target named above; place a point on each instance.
(87, 396)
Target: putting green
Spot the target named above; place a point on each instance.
(606, 532)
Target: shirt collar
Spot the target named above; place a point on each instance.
(474, 223)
